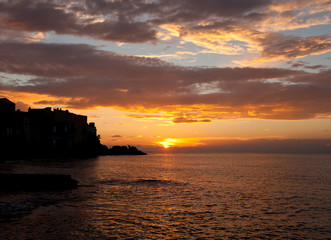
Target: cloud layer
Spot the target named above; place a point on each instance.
(218, 26)
(84, 76)
(88, 77)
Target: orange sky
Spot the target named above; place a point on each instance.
(174, 73)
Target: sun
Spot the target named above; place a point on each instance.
(179, 142)
(166, 143)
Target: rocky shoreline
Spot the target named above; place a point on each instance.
(120, 150)
(36, 182)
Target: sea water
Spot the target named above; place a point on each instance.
(175, 196)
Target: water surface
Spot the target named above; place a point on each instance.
(175, 196)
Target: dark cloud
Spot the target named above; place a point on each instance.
(78, 60)
(175, 119)
(138, 21)
(116, 136)
(296, 64)
(304, 64)
(167, 11)
(287, 47)
(316, 66)
(57, 16)
(133, 32)
(47, 102)
(30, 15)
(147, 116)
(173, 11)
(90, 77)
(188, 120)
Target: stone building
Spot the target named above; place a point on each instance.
(45, 132)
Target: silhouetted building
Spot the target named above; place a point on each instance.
(45, 132)
(6, 105)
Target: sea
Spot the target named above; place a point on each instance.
(175, 196)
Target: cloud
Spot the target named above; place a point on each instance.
(219, 26)
(188, 120)
(148, 116)
(277, 46)
(81, 76)
(122, 31)
(116, 136)
(236, 40)
(173, 116)
(304, 64)
(63, 18)
(49, 102)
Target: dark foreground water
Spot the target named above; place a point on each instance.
(200, 196)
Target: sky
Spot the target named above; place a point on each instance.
(176, 74)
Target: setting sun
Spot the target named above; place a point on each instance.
(166, 143)
(180, 142)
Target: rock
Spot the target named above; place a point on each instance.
(36, 182)
(125, 150)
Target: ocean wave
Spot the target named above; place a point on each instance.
(151, 182)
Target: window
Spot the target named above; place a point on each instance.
(9, 131)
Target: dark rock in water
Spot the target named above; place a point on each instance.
(124, 150)
(102, 149)
(36, 182)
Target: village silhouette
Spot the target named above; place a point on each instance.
(47, 133)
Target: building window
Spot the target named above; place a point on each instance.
(54, 129)
(65, 129)
(9, 131)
